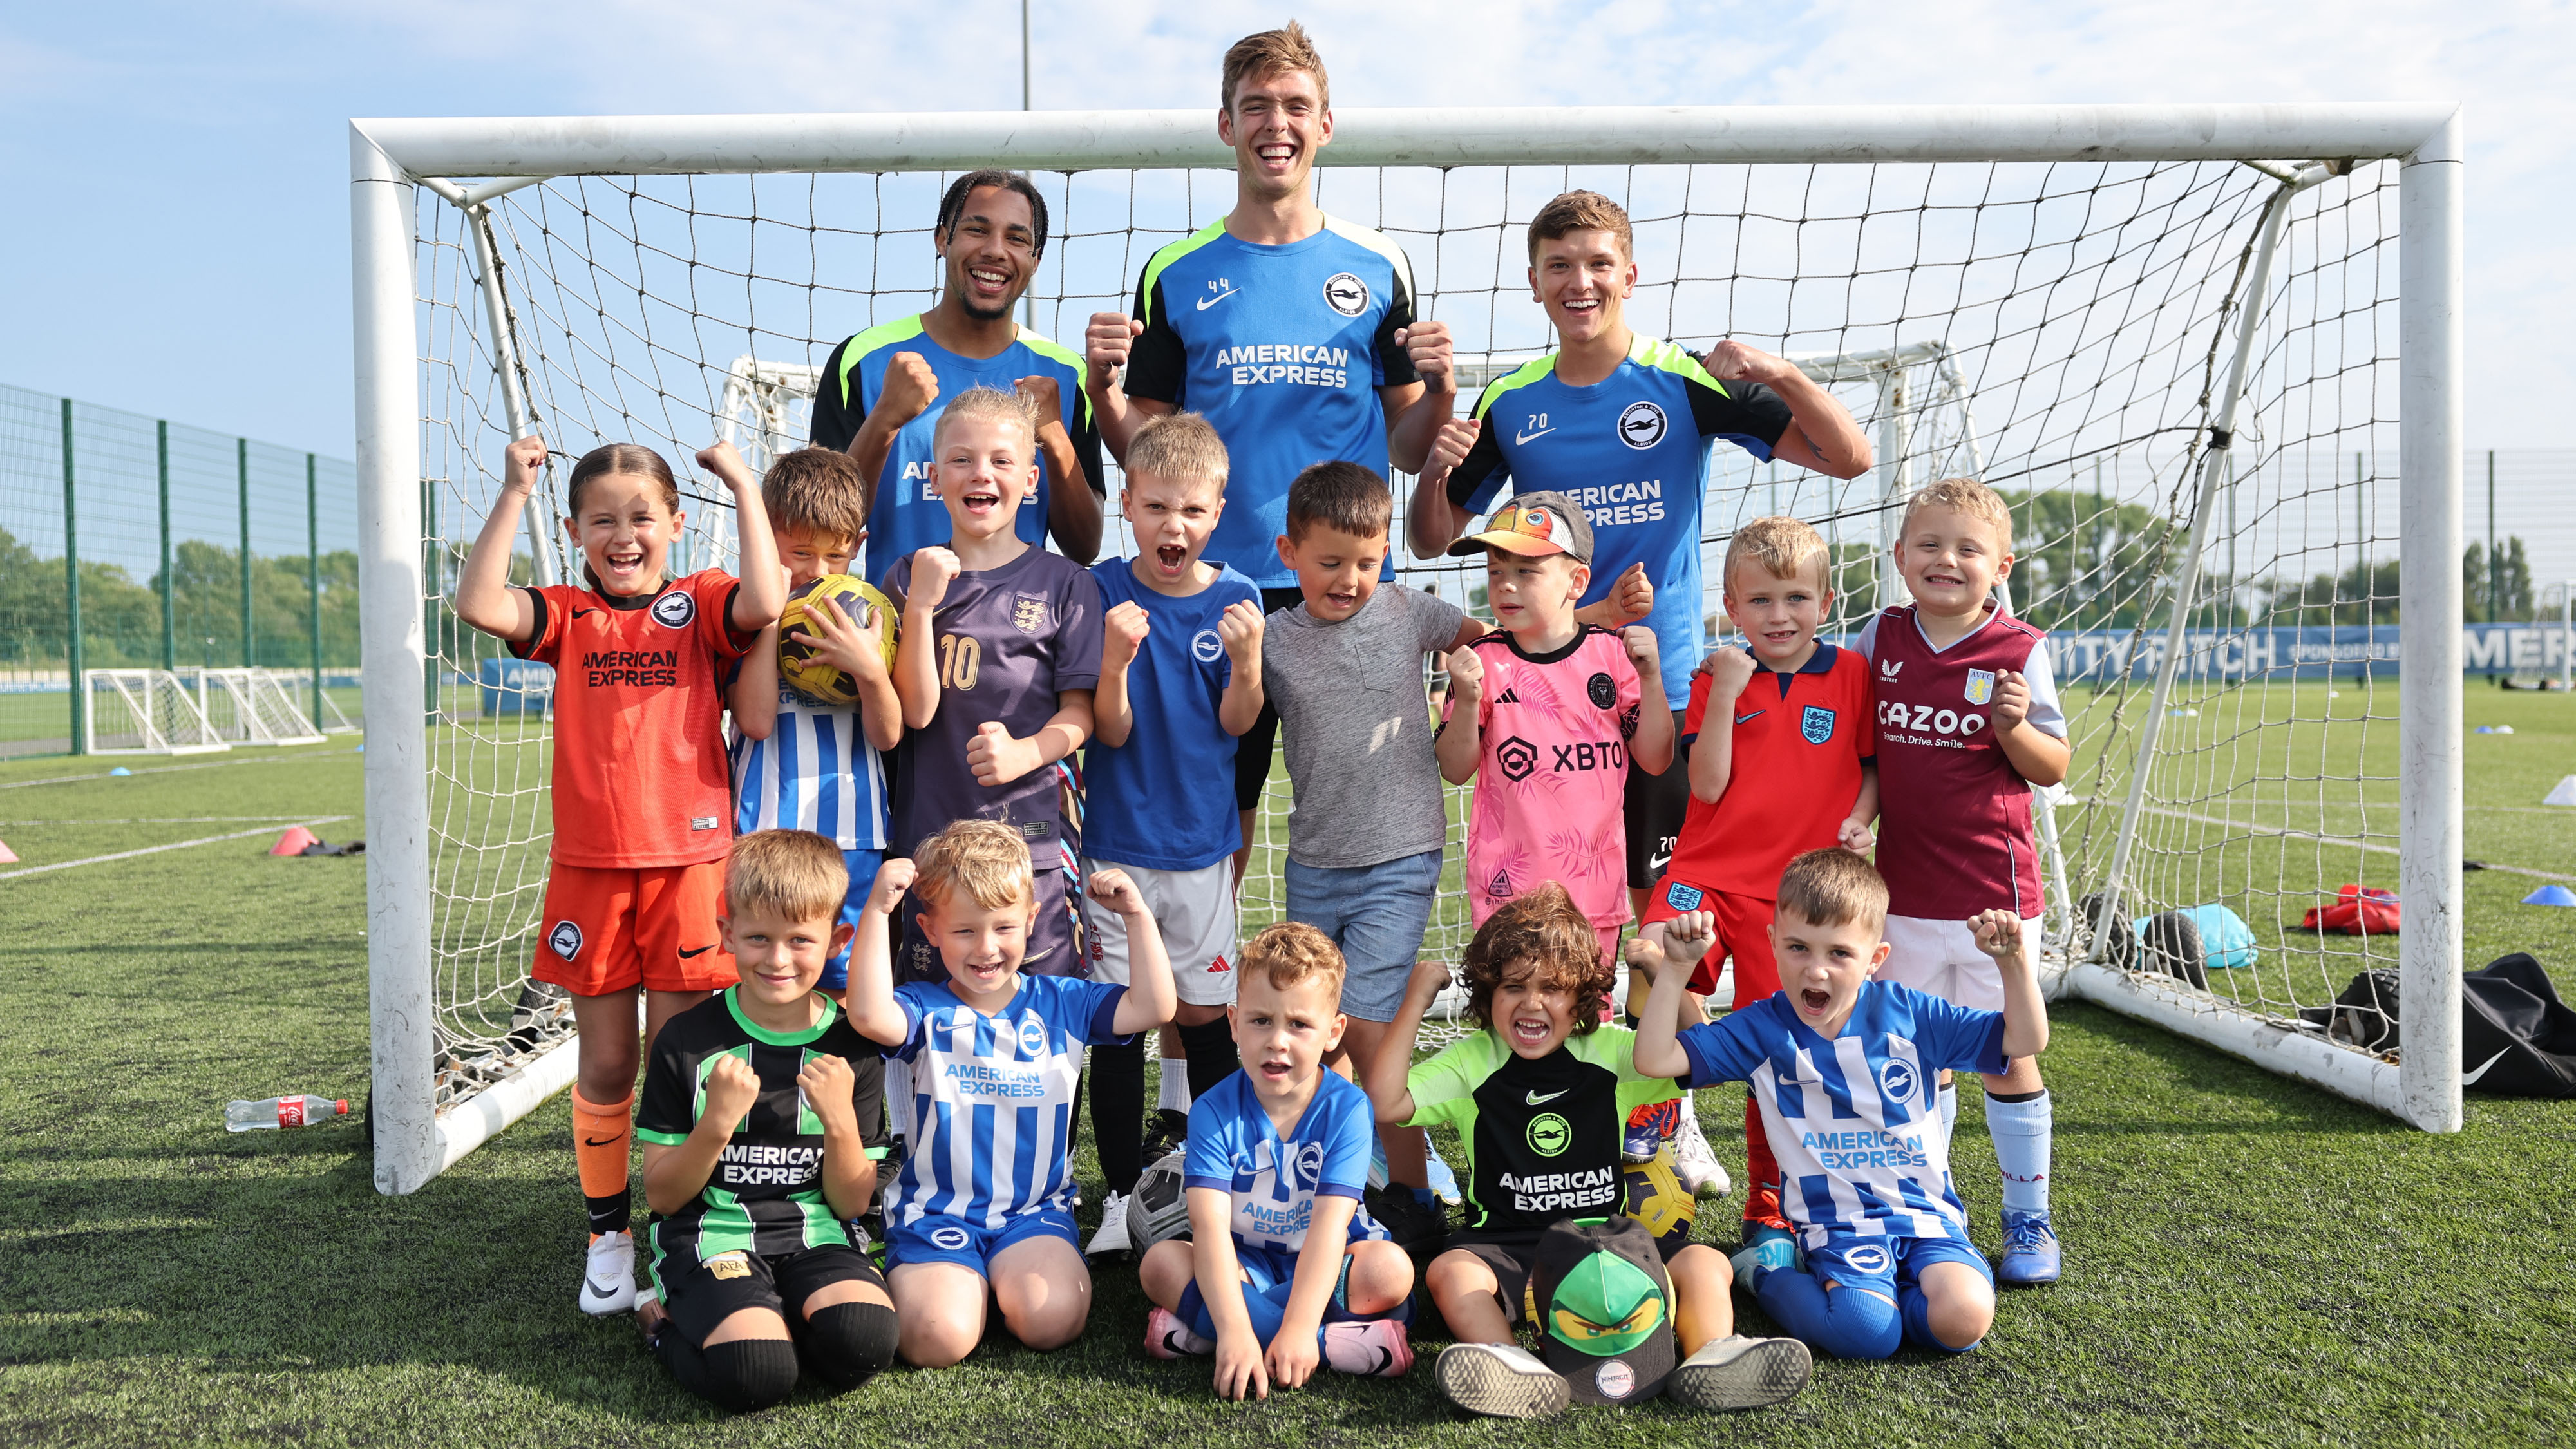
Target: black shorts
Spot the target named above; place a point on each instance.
(702, 1296)
(1252, 748)
(1653, 811)
(1514, 1259)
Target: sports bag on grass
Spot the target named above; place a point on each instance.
(2517, 1039)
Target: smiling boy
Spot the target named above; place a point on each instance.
(1840, 1065)
(1285, 1268)
(981, 1210)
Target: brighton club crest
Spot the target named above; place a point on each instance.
(1817, 724)
(1981, 685)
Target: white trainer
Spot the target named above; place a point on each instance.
(1695, 1164)
(608, 1278)
(1112, 1236)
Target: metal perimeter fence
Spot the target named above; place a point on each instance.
(132, 542)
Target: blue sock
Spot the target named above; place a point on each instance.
(1267, 1307)
(1949, 1111)
(1845, 1322)
(1423, 1196)
(1917, 1312)
(2022, 1134)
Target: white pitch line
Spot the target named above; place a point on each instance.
(2345, 841)
(157, 849)
(174, 769)
(159, 820)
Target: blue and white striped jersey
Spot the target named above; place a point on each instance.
(1855, 1122)
(816, 771)
(992, 1097)
(1234, 1149)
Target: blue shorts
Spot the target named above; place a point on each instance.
(1885, 1265)
(942, 1239)
(863, 866)
(1269, 1273)
(1377, 915)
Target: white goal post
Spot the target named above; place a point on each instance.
(407, 326)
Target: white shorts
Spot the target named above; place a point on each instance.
(1194, 909)
(1940, 958)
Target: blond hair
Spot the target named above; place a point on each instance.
(1269, 53)
(1581, 211)
(984, 858)
(988, 404)
(1968, 496)
(1180, 448)
(1784, 548)
(817, 491)
(1293, 952)
(1833, 887)
(793, 875)
(1546, 929)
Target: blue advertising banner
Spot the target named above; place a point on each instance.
(2341, 651)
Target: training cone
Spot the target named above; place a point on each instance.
(120, 770)
(292, 842)
(7, 856)
(2562, 793)
(2551, 895)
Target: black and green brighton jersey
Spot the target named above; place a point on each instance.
(1542, 1136)
(766, 1194)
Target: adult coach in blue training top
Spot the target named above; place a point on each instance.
(882, 390)
(1623, 424)
(1291, 332)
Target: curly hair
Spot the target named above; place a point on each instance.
(1290, 953)
(1544, 929)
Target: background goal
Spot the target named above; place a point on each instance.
(2210, 353)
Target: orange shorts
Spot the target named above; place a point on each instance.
(608, 930)
(1743, 932)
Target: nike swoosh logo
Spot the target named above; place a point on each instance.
(1385, 1361)
(1533, 1099)
(598, 1141)
(1750, 718)
(2470, 1079)
(1523, 438)
(579, 613)
(593, 1290)
(1207, 302)
(692, 955)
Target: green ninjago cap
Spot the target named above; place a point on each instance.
(1605, 1305)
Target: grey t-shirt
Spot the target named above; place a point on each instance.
(1350, 700)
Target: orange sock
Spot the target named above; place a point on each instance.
(599, 1138)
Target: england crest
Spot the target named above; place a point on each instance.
(1682, 897)
(1028, 614)
(1981, 685)
(1817, 724)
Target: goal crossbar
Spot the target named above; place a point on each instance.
(470, 162)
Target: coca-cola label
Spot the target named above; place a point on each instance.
(290, 1112)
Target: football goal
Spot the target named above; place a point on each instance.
(2210, 354)
(145, 712)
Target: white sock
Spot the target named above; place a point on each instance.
(2023, 1133)
(1175, 1094)
(1949, 1111)
(898, 1096)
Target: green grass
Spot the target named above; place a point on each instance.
(2249, 1261)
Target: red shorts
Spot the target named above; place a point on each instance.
(1743, 932)
(608, 930)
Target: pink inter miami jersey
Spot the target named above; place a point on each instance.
(1555, 729)
(1954, 833)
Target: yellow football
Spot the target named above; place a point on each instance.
(799, 667)
(1657, 1199)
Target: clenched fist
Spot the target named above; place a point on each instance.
(1105, 345)
(1466, 676)
(1124, 631)
(908, 391)
(933, 570)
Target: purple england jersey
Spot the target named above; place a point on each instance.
(1008, 640)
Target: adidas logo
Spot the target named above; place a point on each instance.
(1501, 885)
(1219, 965)
(1508, 696)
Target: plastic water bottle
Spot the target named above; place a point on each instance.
(273, 1112)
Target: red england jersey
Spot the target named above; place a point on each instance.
(1800, 741)
(1954, 835)
(640, 774)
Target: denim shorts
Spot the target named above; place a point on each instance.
(1376, 914)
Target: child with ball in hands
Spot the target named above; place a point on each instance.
(981, 1210)
(639, 764)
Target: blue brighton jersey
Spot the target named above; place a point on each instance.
(992, 1097)
(1855, 1122)
(1165, 799)
(907, 515)
(1234, 1149)
(816, 771)
(1632, 450)
(1283, 350)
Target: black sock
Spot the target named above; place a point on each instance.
(1118, 1112)
(611, 1214)
(2016, 1096)
(1210, 1045)
(848, 1344)
(745, 1375)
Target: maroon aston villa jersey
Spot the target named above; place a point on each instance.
(1954, 833)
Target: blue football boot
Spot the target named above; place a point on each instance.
(2030, 1251)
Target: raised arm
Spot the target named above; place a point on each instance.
(763, 594)
(753, 696)
(675, 1174)
(1415, 411)
(1631, 598)
(2036, 755)
(1652, 749)
(1856, 835)
(849, 1178)
(1149, 1000)
(916, 655)
(1390, 1094)
(871, 1003)
(1124, 627)
(1240, 629)
(1431, 521)
(1822, 437)
(1712, 756)
(484, 597)
(2025, 1010)
(1685, 938)
(1461, 741)
(1073, 510)
(1106, 344)
(906, 393)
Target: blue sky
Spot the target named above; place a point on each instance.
(179, 244)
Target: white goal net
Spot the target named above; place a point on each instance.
(145, 712)
(2065, 318)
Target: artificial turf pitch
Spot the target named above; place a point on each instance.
(2248, 1260)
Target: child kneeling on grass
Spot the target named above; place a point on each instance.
(760, 1110)
(1540, 1097)
(1285, 1267)
(982, 1210)
(1844, 1069)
